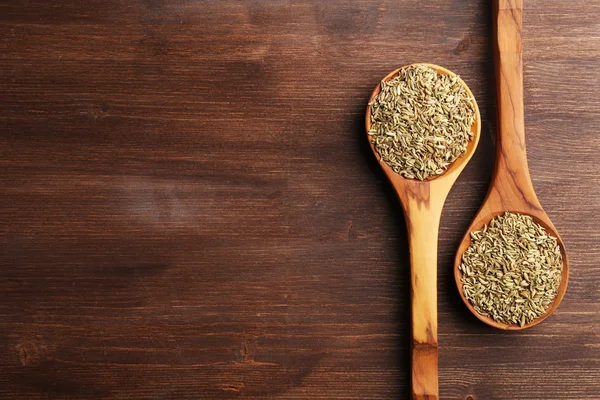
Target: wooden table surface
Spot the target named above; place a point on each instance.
(190, 209)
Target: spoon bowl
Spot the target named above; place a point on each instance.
(511, 188)
(490, 210)
(422, 203)
(457, 166)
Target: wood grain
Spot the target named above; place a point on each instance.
(190, 209)
(511, 188)
(422, 203)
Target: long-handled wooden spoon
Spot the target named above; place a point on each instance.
(422, 202)
(511, 188)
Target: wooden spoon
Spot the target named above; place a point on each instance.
(511, 188)
(422, 202)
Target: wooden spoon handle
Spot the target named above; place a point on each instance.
(423, 220)
(511, 172)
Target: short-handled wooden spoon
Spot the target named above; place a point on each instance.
(511, 188)
(422, 202)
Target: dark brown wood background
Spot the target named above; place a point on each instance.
(190, 209)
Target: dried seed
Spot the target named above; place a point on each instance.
(511, 282)
(421, 122)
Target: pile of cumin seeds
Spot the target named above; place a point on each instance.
(511, 271)
(421, 121)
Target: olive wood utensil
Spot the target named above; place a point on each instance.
(422, 203)
(511, 188)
